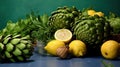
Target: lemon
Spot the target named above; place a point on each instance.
(100, 14)
(77, 48)
(64, 35)
(110, 49)
(91, 12)
(53, 45)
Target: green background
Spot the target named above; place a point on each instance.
(16, 9)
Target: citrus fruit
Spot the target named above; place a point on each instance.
(110, 49)
(64, 35)
(77, 48)
(91, 12)
(100, 14)
(53, 45)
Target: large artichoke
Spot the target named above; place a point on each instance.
(63, 17)
(16, 40)
(14, 48)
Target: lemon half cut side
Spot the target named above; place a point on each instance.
(64, 35)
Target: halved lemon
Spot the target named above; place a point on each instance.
(64, 35)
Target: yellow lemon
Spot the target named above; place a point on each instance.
(53, 45)
(64, 35)
(91, 12)
(100, 14)
(77, 48)
(110, 49)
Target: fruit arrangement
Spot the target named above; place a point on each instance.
(67, 32)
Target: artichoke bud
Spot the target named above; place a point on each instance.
(9, 47)
(15, 41)
(17, 52)
(8, 55)
(1, 46)
(6, 40)
(20, 58)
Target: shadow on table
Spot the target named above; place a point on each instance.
(27, 61)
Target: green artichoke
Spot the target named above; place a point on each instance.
(114, 21)
(15, 48)
(63, 17)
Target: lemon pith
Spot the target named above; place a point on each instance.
(64, 35)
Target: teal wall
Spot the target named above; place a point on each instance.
(15, 9)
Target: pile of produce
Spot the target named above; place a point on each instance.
(66, 32)
(90, 30)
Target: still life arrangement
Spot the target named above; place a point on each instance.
(67, 32)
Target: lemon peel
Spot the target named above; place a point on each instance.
(77, 48)
(53, 45)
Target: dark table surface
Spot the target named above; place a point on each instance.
(38, 60)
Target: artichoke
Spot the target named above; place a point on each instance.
(114, 21)
(115, 24)
(63, 17)
(14, 48)
(16, 41)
